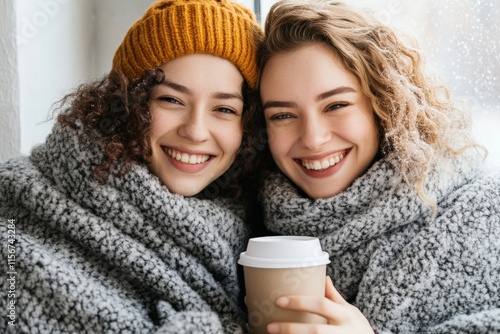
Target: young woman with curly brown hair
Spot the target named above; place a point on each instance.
(372, 156)
(129, 218)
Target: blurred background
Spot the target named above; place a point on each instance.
(49, 47)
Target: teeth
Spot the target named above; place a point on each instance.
(322, 164)
(192, 159)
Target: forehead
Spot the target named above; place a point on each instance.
(202, 70)
(310, 69)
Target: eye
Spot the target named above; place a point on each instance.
(335, 106)
(279, 117)
(169, 99)
(226, 110)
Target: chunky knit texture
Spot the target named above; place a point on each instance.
(405, 272)
(126, 256)
(175, 28)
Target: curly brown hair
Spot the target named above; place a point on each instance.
(418, 120)
(118, 112)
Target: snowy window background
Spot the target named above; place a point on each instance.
(460, 41)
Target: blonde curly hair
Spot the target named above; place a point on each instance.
(418, 120)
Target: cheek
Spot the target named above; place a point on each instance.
(231, 138)
(279, 141)
(163, 123)
(374, 139)
(156, 125)
(371, 132)
(366, 136)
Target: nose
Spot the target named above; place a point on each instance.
(315, 131)
(194, 126)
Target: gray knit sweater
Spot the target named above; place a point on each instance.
(405, 272)
(126, 256)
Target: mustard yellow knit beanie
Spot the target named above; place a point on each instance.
(175, 28)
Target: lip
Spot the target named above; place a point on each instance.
(323, 155)
(185, 150)
(324, 172)
(186, 167)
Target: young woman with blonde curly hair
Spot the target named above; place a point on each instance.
(371, 155)
(129, 218)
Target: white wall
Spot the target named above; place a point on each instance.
(113, 18)
(54, 39)
(9, 92)
(62, 44)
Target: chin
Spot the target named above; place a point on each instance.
(326, 193)
(186, 193)
(185, 190)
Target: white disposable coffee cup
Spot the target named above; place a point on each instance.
(277, 266)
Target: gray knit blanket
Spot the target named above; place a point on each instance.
(406, 272)
(126, 256)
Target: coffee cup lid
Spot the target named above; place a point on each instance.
(283, 252)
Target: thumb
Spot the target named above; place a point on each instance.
(332, 293)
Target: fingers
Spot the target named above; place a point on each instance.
(317, 305)
(329, 288)
(333, 307)
(330, 307)
(341, 316)
(296, 328)
(332, 293)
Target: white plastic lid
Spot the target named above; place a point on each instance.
(283, 252)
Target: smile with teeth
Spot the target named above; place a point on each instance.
(192, 159)
(323, 163)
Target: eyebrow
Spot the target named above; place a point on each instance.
(322, 96)
(177, 87)
(217, 95)
(227, 96)
(336, 91)
(279, 104)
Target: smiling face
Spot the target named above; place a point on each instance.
(196, 127)
(321, 128)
